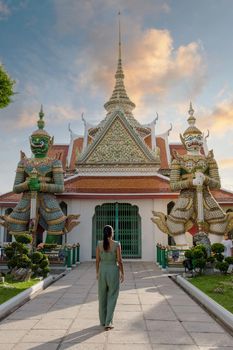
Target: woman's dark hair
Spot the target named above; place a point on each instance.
(108, 232)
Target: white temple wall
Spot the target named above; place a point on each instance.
(83, 232)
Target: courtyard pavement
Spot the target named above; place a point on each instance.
(152, 313)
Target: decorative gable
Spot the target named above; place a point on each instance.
(118, 143)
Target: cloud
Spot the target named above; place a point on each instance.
(217, 119)
(79, 14)
(62, 113)
(226, 163)
(154, 70)
(4, 10)
(28, 116)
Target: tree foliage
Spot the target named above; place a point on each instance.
(6, 88)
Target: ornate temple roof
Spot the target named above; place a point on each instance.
(118, 144)
(119, 100)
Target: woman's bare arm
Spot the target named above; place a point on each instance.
(120, 263)
(97, 262)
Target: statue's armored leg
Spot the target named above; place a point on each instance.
(179, 220)
(216, 218)
(52, 214)
(17, 221)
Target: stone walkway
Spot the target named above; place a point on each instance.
(152, 313)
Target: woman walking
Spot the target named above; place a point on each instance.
(108, 266)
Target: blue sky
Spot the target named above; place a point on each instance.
(63, 54)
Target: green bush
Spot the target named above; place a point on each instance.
(211, 259)
(222, 266)
(219, 257)
(36, 257)
(24, 261)
(44, 263)
(217, 248)
(19, 257)
(9, 252)
(188, 254)
(40, 266)
(229, 260)
(198, 253)
(202, 248)
(45, 272)
(24, 238)
(199, 263)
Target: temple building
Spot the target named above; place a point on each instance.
(117, 173)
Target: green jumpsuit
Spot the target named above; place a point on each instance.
(108, 283)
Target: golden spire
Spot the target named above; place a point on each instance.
(192, 129)
(119, 96)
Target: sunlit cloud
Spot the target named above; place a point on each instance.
(226, 163)
(218, 119)
(152, 67)
(61, 113)
(53, 115)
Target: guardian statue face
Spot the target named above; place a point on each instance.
(39, 145)
(193, 142)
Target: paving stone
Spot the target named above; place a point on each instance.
(25, 315)
(196, 317)
(126, 307)
(127, 336)
(158, 325)
(82, 346)
(212, 339)
(124, 315)
(58, 323)
(43, 336)
(187, 308)
(11, 336)
(215, 348)
(138, 324)
(170, 337)
(128, 347)
(37, 346)
(180, 300)
(160, 315)
(87, 335)
(7, 346)
(177, 347)
(203, 327)
(18, 324)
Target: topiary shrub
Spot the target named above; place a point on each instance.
(218, 249)
(36, 257)
(219, 257)
(22, 263)
(202, 248)
(24, 238)
(198, 257)
(40, 265)
(188, 254)
(222, 266)
(210, 259)
(198, 253)
(229, 260)
(199, 263)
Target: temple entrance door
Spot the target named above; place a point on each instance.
(126, 222)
